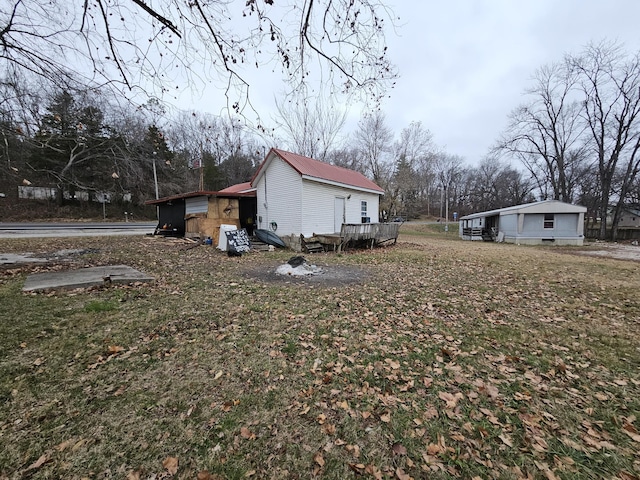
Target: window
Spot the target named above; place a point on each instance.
(549, 219)
(363, 212)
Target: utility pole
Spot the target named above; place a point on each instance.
(155, 180)
(446, 199)
(155, 175)
(201, 184)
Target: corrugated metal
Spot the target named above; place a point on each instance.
(196, 205)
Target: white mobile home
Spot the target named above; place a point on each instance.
(546, 222)
(299, 195)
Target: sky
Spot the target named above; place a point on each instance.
(464, 65)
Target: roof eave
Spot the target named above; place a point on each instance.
(342, 185)
(184, 196)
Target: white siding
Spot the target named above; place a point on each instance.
(318, 203)
(279, 194)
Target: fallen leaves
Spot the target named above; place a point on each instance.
(462, 363)
(398, 449)
(38, 463)
(506, 439)
(451, 400)
(170, 464)
(631, 431)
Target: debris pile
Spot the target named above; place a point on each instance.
(298, 266)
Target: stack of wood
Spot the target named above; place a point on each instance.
(312, 245)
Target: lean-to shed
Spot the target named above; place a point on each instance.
(200, 214)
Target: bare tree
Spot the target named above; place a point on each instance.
(494, 184)
(311, 126)
(546, 135)
(449, 173)
(610, 81)
(374, 139)
(348, 157)
(136, 44)
(415, 154)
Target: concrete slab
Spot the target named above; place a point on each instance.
(19, 258)
(59, 255)
(84, 277)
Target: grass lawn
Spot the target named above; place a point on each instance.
(446, 359)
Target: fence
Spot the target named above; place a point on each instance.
(623, 233)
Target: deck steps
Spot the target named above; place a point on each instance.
(258, 245)
(313, 247)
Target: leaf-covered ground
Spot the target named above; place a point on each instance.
(442, 359)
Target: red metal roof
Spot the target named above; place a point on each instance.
(309, 167)
(244, 187)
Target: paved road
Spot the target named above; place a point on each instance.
(75, 229)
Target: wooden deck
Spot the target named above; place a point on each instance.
(359, 235)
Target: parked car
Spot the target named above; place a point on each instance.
(398, 220)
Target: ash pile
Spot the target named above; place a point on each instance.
(298, 267)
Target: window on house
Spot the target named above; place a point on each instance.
(363, 212)
(549, 219)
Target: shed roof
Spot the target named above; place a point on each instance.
(544, 206)
(316, 170)
(244, 187)
(200, 193)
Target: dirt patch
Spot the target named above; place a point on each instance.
(619, 251)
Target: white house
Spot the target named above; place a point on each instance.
(549, 221)
(299, 195)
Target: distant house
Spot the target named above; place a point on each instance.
(200, 214)
(299, 195)
(630, 218)
(549, 221)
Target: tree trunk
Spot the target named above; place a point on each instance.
(604, 206)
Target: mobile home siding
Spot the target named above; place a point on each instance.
(509, 225)
(279, 192)
(526, 223)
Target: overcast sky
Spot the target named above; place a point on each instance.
(464, 64)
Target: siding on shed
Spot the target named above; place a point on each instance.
(318, 202)
(195, 205)
(280, 188)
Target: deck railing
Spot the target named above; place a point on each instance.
(376, 233)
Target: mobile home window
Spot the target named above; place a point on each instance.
(548, 220)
